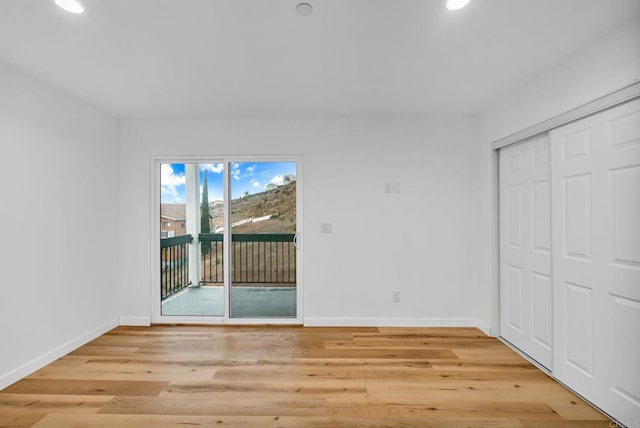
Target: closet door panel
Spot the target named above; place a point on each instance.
(595, 194)
(525, 255)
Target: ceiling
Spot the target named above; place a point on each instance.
(222, 58)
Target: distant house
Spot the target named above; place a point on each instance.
(173, 220)
(286, 179)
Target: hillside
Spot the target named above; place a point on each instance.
(280, 203)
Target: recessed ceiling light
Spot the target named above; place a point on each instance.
(304, 9)
(72, 6)
(456, 4)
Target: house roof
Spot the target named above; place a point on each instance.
(177, 212)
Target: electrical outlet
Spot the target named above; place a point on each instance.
(395, 296)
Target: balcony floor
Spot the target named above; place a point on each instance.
(264, 302)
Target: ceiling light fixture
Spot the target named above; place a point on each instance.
(72, 6)
(304, 9)
(456, 4)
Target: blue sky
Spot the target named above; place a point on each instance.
(249, 177)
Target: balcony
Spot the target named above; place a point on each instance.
(263, 275)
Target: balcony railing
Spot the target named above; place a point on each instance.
(260, 258)
(268, 259)
(174, 259)
(212, 258)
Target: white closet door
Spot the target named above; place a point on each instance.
(595, 173)
(525, 248)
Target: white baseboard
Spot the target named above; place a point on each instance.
(49, 357)
(136, 321)
(486, 329)
(390, 322)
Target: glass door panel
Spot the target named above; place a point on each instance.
(263, 232)
(191, 244)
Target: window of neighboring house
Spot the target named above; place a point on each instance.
(167, 224)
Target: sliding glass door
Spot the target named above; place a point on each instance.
(228, 240)
(192, 217)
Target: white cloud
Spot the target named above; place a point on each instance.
(250, 169)
(235, 171)
(255, 183)
(213, 167)
(278, 179)
(170, 181)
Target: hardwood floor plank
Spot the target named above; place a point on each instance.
(26, 409)
(375, 353)
(241, 390)
(153, 421)
(443, 332)
(499, 354)
(479, 364)
(441, 408)
(371, 422)
(78, 368)
(52, 403)
(425, 341)
(86, 387)
(105, 350)
(263, 406)
(308, 374)
(568, 424)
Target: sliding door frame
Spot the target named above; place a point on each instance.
(154, 212)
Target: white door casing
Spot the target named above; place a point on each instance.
(595, 175)
(525, 248)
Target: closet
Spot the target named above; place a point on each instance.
(570, 255)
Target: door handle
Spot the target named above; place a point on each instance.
(296, 242)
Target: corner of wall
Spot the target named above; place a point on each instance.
(52, 355)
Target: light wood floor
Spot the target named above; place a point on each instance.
(293, 377)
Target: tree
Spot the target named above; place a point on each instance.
(204, 214)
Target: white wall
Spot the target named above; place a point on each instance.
(421, 241)
(58, 217)
(603, 67)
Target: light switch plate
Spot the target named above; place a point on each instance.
(326, 228)
(392, 187)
